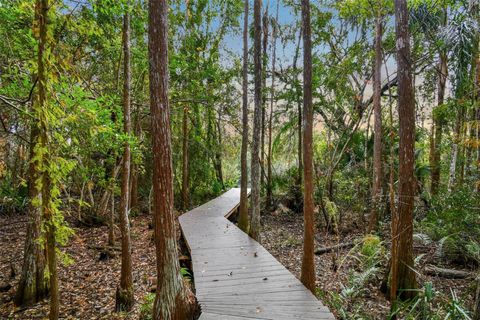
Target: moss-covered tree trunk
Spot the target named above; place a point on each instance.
(33, 286)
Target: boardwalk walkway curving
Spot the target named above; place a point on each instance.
(235, 277)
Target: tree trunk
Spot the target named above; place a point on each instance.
(438, 125)
(264, 93)
(47, 208)
(111, 222)
(170, 299)
(33, 286)
(218, 152)
(308, 259)
(452, 175)
(124, 296)
(477, 122)
(185, 191)
(270, 120)
(134, 205)
(243, 216)
(377, 144)
(300, 119)
(257, 122)
(403, 276)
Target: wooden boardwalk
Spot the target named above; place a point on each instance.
(235, 277)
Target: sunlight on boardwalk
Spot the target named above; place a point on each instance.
(235, 277)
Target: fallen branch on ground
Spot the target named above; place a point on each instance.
(447, 273)
(333, 248)
(104, 248)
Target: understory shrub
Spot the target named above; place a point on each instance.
(13, 198)
(452, 221)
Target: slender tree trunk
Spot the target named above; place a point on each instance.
(170, 299)
(270, 120)
(243, 219)
(477, 118)
(438, 124)
(133, 203)
(218, 151)
(377, 144)
(391, 174)
(134, 206)
(33, 286)
(111, 219)
(125, 297)
(264, 93)
(299, 112)
(454, 155)
(402, 274)
(257, 123)
(185, 178)
(308, 259)
(111, 222)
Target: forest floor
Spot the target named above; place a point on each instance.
(283, 236)
(88, 285)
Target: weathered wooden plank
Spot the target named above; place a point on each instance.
(235, 277)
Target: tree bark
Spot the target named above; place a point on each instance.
(402, 274)
(218, 151)
(170, 299)
(42, 7)
(134, 173)
(33, 286)
(111, 222)
(185, 191)
(308, 259)
(477, 118)
(454, 155)
(257, 122)
(243, 219)
(133, 203)
(264, 93)
(270, 120)
(300, 118)
(377, 143)
(124, 296)
(438, 124)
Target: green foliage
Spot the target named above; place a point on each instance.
(370, 255)
(371, 250)
(453, 217)
(433, 305)
(185, 272)
(13, 198)
(147, 306)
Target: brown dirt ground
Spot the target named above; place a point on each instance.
(282, 236)
(88, 285)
